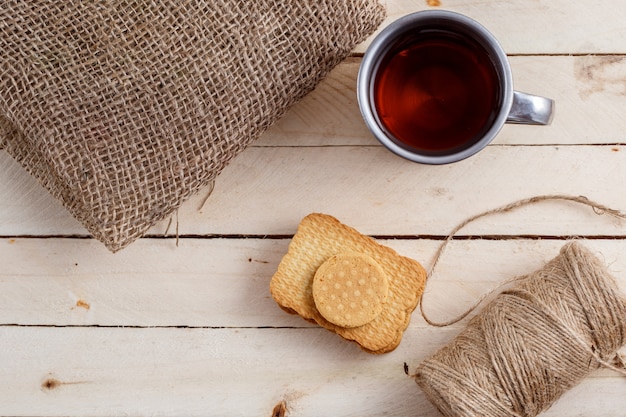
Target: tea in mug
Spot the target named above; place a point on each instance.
(437, 92)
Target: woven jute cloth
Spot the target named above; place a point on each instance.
(124, 108)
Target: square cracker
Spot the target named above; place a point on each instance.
(320, 236)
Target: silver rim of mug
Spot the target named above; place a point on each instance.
(377, 51)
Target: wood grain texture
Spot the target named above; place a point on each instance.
(187, 327)
(224, 283)
(589, 91)
(377, 192)
(218, 372)
(537, 26)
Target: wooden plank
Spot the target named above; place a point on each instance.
(268, 191)
(589, 92)
(382, 194)
(211, 283)
(207, 372)
(215, 283)
(538, 26)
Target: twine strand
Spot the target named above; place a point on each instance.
(598, 208)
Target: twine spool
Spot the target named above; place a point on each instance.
(534, 341)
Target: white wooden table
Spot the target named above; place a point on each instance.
(182, 327)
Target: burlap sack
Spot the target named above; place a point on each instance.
(124, 108)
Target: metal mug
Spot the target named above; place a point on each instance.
(510, 106)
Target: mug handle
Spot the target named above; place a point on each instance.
(528, 109)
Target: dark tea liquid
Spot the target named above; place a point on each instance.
(437, 93)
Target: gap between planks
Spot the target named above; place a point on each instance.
(460, 236)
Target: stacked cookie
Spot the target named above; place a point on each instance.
(348, 283)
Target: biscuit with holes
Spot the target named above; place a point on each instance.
(320, 237)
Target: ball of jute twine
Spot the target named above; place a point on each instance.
(535, 340)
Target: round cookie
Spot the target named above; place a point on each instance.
(350, 289)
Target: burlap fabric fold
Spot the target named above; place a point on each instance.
(124, 108)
